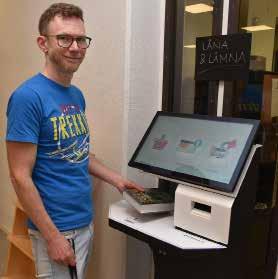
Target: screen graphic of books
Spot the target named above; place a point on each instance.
(150, 201)
(209, 151)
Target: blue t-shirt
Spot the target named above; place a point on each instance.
(52, 116)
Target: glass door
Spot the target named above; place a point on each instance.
(198, 22)
(258, 98)
(185, 21)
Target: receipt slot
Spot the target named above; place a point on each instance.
(214, 162)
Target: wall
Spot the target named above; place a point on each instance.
(144, 74)
(17, 50)
(122, 82)
(103, 74)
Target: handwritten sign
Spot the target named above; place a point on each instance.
(225, 57)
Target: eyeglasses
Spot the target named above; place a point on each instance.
(66, 41)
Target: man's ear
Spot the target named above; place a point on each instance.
(42, 43)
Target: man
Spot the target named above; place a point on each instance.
(48, 149)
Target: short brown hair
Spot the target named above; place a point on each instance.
(61, 9)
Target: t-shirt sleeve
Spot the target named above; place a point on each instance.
(82, 98)
(24, 114)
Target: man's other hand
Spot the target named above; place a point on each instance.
(60, 251)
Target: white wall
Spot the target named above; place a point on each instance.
(19, 59)
(122, 82)
(144, 73)
(103, 75)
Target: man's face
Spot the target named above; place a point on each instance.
(65, 60)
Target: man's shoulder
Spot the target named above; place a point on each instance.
(31, 83)
(76, 88)
(26, 91)
(78, 91)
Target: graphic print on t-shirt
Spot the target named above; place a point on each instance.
(71, 132)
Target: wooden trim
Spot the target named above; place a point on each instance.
(23, 243)
(4, 229)
(20, 266)
(20, 260)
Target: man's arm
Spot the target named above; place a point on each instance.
(99, 170)
(21, 159)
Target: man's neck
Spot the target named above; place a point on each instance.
(62, 78)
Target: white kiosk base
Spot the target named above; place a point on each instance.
(204, 213)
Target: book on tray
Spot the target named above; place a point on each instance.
(150, 201)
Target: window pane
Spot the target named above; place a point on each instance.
(261, 17)
(258, 97)
(198, 21)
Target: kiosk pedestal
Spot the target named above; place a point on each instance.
(180, 254)
(174, 251)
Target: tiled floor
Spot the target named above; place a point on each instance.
(3, 252)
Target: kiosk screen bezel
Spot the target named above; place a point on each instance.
(183, 177)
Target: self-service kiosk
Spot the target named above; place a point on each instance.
(213, 160)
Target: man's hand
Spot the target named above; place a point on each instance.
(21, 158)
(60, 251)
(99, 170)
(123, 184)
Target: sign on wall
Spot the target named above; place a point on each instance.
(225, 57)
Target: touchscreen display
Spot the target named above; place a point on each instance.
(196, 149)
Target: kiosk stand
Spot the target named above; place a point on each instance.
(206, 237)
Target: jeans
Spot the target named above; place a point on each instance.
(47, 268)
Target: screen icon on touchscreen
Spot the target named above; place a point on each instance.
(189, 146)
(160, 143)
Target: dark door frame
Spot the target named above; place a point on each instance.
(173, 51)
(173, 46)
